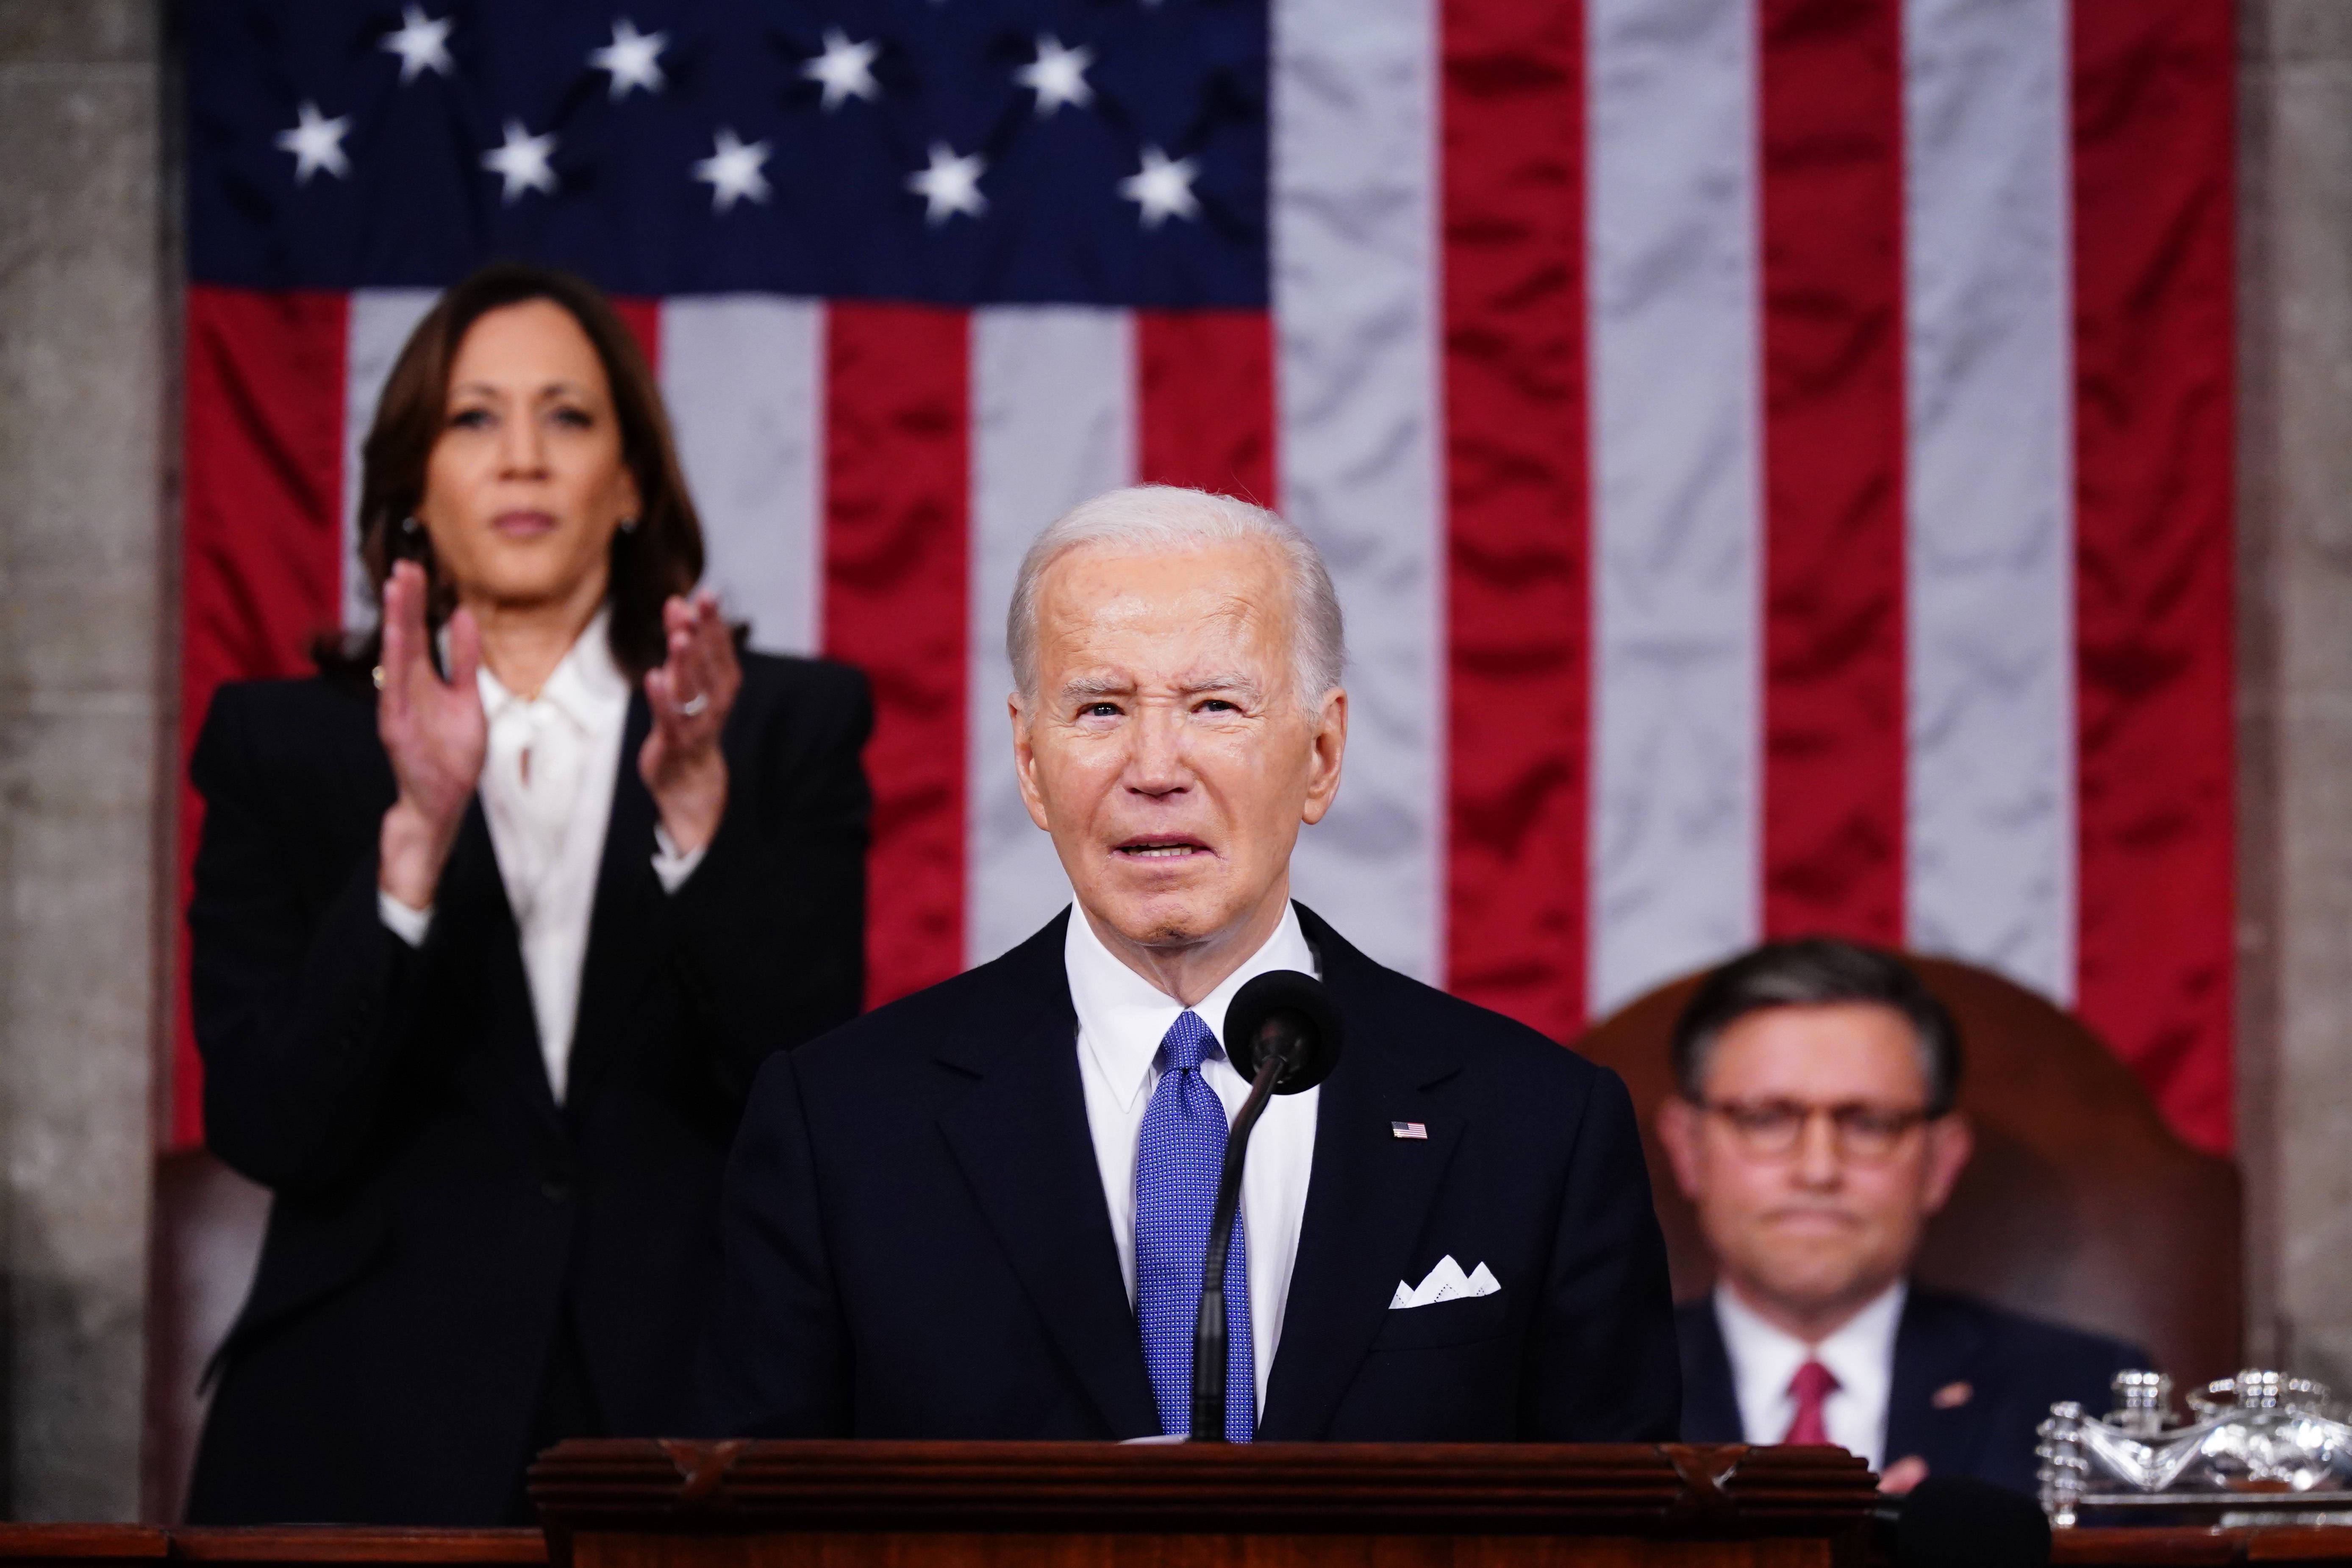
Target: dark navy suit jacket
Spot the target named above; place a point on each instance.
(441, 1224)
(1997, 1372)
(917, 1244)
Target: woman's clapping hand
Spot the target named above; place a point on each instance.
(435, 733)
(690, 694)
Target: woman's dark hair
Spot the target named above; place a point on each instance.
(1812, 972)
(660, 556)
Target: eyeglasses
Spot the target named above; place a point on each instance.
(1863, 1132)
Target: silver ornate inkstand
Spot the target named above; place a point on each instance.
(2257, 1448)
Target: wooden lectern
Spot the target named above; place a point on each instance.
(641, 1503)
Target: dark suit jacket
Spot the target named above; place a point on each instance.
(1999, 1373)
(437, 1216)
(917, 1245)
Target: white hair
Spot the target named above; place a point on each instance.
(1165, 519)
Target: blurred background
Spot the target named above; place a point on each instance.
(1881, 466)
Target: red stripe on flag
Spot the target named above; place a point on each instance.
(898, 478)
(2152, 148)
(1205, 401)
(1517, 525)
(1832, 194)
(643, 318)
(261, 543)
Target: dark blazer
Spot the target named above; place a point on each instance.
(917, 1245)
(1997, 1372)
(443, 1231)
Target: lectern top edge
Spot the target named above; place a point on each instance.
(643, 1485)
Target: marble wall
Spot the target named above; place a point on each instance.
(83, 566)
(2296, 679)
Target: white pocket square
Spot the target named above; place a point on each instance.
(1445, 1282)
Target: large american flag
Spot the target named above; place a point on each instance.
(1774, 454)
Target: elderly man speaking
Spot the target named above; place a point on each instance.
(981, 1211)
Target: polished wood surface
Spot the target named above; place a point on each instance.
(638, 1504)
(1410, 1488)
(347, 1546)
(92, 1545)
(83, 1544)
(2080, 1204)
(2151, 1548)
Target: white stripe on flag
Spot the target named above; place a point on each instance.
(379, 323)
(1354, 150)
(1992, 801)
(744, 378)
(1053, 422)
(1676, 634)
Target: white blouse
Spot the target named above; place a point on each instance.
(546, 794)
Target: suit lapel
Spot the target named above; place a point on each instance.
(1710, 1399)
(622, 928)
(473, 898)
(1022, 1139)
(1367, 1193)
(1934, 1354)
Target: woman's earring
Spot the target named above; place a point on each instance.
(628, 525)
(409, 523)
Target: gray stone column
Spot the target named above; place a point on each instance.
(83, 650)
(2295, 679)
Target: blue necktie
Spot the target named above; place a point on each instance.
(1176, 1167)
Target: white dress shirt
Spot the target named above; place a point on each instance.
(1860, 1355)
(1122, 1019)
(546, 794)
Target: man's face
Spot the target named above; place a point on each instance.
(1818, 1228)
(1167, 749)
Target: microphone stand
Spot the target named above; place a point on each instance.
(1209, 1329)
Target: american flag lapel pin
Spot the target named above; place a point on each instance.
(1408, 1130)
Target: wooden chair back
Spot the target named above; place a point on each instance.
(207, 1228)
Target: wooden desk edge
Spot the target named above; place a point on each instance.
(90, 1544)
(2164, 1547)
(321, 1543)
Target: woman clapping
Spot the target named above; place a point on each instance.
(494, 921)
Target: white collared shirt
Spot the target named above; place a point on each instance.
(546, 794)
(1860, 1354)
(1122, 1019)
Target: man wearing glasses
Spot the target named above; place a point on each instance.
(1815, 1131)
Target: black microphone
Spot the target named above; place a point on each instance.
(1951, 1522)
(1283, 1035)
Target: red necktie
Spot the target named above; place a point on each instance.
(1811, 1388)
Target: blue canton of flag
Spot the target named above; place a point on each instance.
(956, 152)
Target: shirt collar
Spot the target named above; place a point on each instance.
(587, 687)
(1862, 1348)
(1857, 1352)
(1122, 1016)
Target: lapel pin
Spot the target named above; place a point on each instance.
(1951, 1396)
(1408, 1130)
